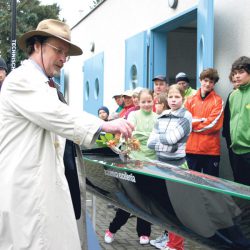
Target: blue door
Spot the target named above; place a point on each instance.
(136, 59)
(205, 36)
(93, 84)
(159, 42)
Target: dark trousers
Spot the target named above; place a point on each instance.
(72, 176)
(207, 164)
(231, 160)
(121, 217)
(230, 155)
(241, 165)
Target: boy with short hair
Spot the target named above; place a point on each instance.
(239, 104)
(206, 107)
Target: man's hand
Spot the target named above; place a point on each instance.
(120, 125)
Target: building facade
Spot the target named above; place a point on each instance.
(125, 43)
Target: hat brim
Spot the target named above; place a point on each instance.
(73, 49)
(127, 95)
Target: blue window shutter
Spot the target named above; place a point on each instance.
(93, 83)
(136, 61)
(205, 36)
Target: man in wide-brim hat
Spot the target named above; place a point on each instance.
(51, 28)
(36, 211)
(50, 35)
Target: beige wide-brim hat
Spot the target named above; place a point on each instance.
(51, 28)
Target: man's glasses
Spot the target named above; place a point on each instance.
(60, 52)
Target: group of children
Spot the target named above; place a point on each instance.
(182, 126)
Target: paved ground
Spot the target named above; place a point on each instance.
(126, 238)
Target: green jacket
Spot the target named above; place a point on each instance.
(239, 104)
(190, 92)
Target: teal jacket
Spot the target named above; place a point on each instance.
(239, 104)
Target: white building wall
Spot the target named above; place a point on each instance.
(231, 37)
(108, 27)
(114, 21)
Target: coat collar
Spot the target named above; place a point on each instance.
(177, 113)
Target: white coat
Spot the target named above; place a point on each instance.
(36, 211)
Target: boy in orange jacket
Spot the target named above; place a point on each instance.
(206, 107)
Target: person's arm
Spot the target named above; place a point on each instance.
(153, 139)
(118, 126)
(39, 103)
(174, 134)
(213, 122)
(226, 123)
(155, 143)
(132, 118)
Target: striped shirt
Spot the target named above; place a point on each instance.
(170, 134)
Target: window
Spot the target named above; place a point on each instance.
(133, 77)
(97, 88)
(87, 91)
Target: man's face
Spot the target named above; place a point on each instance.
(54, 55)
(241, 77)
(160, 86)
(118, 100)
(128, 101)
(183, 85)
(2, 75)
(207, 85)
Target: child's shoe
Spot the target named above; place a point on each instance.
(160, 241)
(144, 240)
(109, 237)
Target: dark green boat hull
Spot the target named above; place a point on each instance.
(211, 211)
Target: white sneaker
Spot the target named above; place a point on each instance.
(160, 239)
(161, 244)
(144, 240)
(109, 237)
